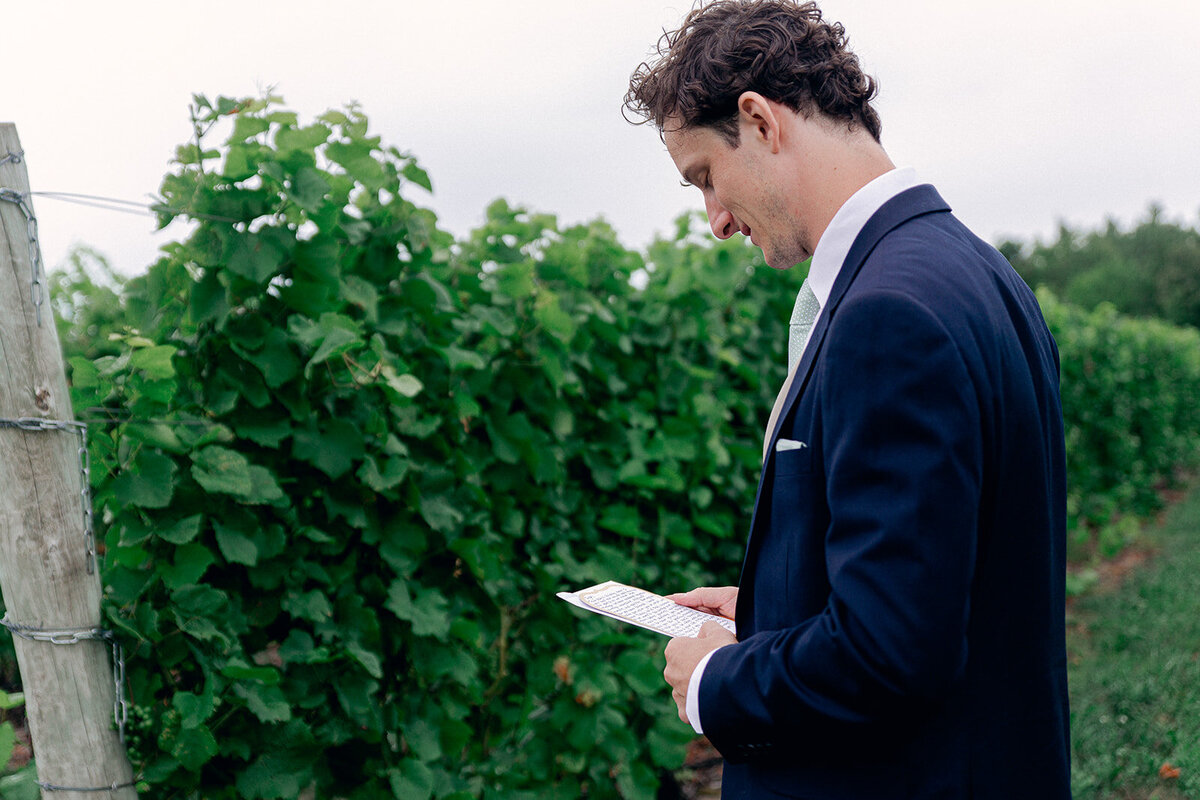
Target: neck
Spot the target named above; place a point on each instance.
(834, 166)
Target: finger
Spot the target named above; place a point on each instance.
(694, 598)
(679, 597)
(712, 599)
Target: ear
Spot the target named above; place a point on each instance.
(758, 121)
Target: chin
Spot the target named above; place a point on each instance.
(783, 260)
(774, 262)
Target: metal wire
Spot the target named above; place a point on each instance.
(68, 636)
(50, 787)
(106, 203)
(35, 251)
(129, 206)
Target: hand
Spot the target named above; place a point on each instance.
(684, 653)
(719, 600)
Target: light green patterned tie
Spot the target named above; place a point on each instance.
(804, 314)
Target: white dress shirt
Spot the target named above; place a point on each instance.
(832, 249)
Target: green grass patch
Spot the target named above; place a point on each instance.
(1135, 673)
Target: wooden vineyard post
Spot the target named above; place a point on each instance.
(48, 572)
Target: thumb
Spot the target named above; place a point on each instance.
(711, 628)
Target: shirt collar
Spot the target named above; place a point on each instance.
(834, 244)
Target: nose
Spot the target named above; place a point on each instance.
(719, 218)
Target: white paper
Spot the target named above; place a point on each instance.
(644, 609)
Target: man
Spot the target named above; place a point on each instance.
(900, 610)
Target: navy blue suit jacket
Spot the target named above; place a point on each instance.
(901, 604)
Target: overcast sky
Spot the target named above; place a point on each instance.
(1023, 114)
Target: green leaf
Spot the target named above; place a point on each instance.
(156, 435)
(441, 515)
(422, 738)
(265, 702)
(363, 294)
(417, 175)
(369, 660)
(219, 469)
(263, 487)
(8, 740)
(22, 784)
(84, 374)
(183, 531)
(516, 280)
(208, 300)
(195, 747)
(236, 546)
(335, 343)
(191, 562)
(254, 256)
(393, 473)
(268, 433)
(399, 601)
(194, 709)
(276, 359)
(428, 611)
(289, 140)
(267, 676)
(358, 698)
(202, 600)
(201, 628)
(274, 776)
(356, 157)
(148, 483)
(313, 606)
(9, 701)
(549, 312)
(411, 780)
(309, 188)
(623, 520)
(457, 358)
(125, 585)
(155, 362)
(333, 449)
(407, 385)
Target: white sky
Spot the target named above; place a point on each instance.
(1023, 113)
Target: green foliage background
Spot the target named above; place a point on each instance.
(1131, 401)
(352, 460)
(361, 459)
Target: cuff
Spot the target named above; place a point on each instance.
(692, 704)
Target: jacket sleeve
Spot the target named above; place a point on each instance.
(902, 449)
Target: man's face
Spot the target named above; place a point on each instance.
(740, 190)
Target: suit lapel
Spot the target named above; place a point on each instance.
(905, 206)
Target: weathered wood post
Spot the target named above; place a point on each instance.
(48, 576)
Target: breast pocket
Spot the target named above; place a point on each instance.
(793, 462)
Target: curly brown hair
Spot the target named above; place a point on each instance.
(781, 49)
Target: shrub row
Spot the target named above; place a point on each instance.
(361, 458)
(1131, 402)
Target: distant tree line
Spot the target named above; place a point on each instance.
(1152, 270)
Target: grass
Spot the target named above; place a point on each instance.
(1134, 654)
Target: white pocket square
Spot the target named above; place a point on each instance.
(788, 444)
